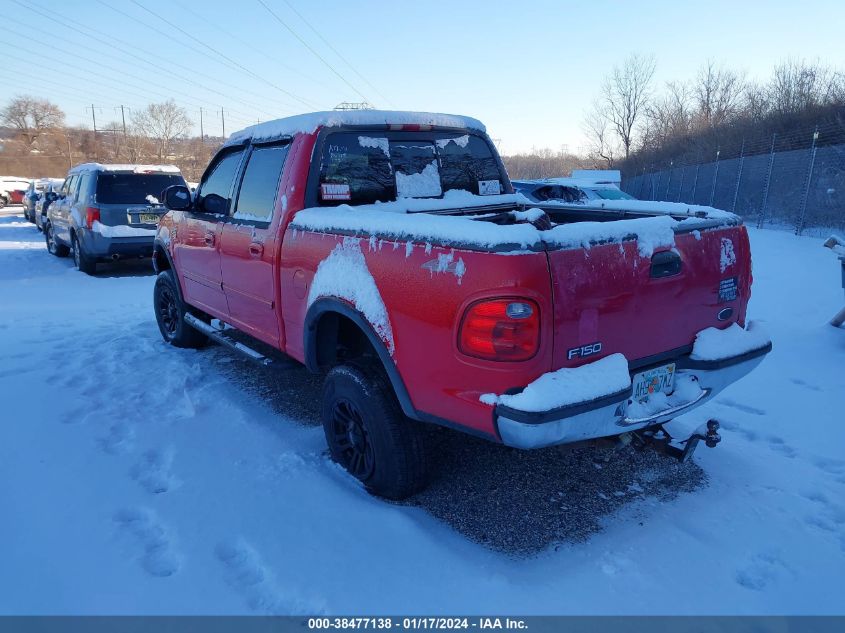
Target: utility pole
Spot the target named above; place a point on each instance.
(223, 121)
(202, 134)
(69, 155)
(94, 121)
(123, 118)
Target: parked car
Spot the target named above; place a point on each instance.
(45, 199)
(584, 185)
(12, 190)
(108, 212)
(34, 193)
(388, 251)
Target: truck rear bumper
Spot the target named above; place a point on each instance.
(609, 415)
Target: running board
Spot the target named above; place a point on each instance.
(217, 336)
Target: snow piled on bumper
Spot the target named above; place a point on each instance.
(121, 230)
(714, 344)
(566, 387)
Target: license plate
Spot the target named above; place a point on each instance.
(657, 380)
(148, 218)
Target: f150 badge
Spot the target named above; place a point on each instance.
(584, 351)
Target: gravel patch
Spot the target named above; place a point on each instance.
(510, 500)
(524, 502)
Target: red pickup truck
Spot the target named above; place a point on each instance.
(389, 251)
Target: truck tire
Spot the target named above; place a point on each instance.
(368, 434)
(53, 246)
(84, 263)
(3, 202)
(170, 314)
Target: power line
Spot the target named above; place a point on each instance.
(334, 50)
(180, 76)
(147, 92)
(50, 90)
(304, 102)
(315, 53)
(250, 45)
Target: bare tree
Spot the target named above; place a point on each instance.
(669, 116)
(718, 93)
(625, 94)
(542, 163)
(32, 117)
(756, 102)
(602, 145)
(798, 86)
(162, 123)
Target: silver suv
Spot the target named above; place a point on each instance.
(108, 212)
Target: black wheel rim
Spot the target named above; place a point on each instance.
(168, 311)
(352, 440)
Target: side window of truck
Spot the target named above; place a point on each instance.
(260, 184)
(218, 182)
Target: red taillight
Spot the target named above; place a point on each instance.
(92, 214)
(501, 329)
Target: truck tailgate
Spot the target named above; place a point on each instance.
(609, 298)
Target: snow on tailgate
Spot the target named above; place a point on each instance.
(566, 387)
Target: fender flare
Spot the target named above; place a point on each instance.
(158, 246)
(326, 305)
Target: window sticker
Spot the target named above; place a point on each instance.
(330, 191)
(489, 188)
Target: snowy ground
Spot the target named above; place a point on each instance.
(137, 478)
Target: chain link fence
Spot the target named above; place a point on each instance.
(795, 180)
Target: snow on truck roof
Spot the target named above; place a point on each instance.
(138, 169)
(308, 123)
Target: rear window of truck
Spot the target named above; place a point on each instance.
(133, 188)
(357, 168)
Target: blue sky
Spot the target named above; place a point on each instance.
(528, 70)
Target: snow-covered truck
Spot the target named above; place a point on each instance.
(388, 251)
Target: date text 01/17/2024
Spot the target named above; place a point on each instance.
(414, 623)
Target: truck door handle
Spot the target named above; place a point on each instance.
(256, 249)
(209, 239)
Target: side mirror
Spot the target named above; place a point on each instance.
(177, 198)
(51, 196)
(215, 204)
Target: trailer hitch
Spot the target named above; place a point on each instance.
(658, 438)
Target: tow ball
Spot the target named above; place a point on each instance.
(660, 439)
